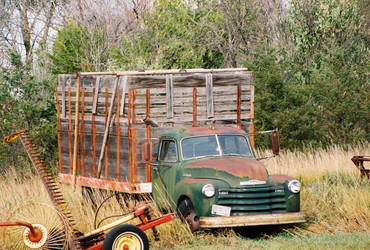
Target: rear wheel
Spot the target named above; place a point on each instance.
(126, 237)
(187, 213)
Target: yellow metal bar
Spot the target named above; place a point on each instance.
(111, 225)
(13, 136)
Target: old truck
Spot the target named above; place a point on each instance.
(202, 162)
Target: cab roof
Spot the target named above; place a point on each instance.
(199, 131)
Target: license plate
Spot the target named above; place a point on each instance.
(221, 210)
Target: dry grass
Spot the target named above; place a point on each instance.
(333, 196)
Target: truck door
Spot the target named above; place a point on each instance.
(164, 173)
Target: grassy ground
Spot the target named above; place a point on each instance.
(334, 198)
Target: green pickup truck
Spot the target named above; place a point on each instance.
(211, 176)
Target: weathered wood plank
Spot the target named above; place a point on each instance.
(124, 92)
(209, 86)
(96, 96)
(169, 95)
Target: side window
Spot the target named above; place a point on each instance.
(168, 151)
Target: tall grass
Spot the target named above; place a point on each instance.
(333, 197)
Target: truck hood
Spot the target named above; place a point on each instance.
(230, 169)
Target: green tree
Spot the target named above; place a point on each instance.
(26, 104)
(171, 36)
(76, 50)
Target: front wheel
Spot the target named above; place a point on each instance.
(126, 237)
(187, 213)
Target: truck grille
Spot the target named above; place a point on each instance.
(261, 199)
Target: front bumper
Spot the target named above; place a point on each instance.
(251, 220)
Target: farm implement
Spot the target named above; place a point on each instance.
(359, 160)
(66, 236)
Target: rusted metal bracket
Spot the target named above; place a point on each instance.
(359, 160)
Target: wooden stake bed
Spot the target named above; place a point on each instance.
(170, 98)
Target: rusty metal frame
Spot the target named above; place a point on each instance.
(107, 125)
(148, 133)
(118, 132)
(121, 186)
(82, 132)
(359, 160)
(70, 130)
(59, 128)
(93, 132)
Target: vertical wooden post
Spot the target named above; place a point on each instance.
(63, 114)
(134, 155)
(133, 135)
(251, 125)
(82, 132)
(59, 127)
(129, 115)
(70, 131)
(106, 130)
(209, 90)
(238, 122)
(75, 143)
(118, 130)
(169, 95)
(93, 132)
(194, 107)
(148, 134)
(107, 123)
(133, 106)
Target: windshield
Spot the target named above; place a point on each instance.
(215, 145)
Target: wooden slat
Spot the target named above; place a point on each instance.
(93, 132)
(70, 130)
(194, 107)
(59, 128)
(209, 86)
(96, 95)
(124, 91)
(148, 133)
(82, 132)
(169, 95)
(118, 135)
(105, 145)
(63, 100)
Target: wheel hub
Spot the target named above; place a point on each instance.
(128, 241)
(36, 239)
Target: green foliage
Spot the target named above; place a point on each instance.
(170, 37)
(76, 50)
(312, 85)
(26, 104)
(316, 90)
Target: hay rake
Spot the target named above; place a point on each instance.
(120, 235)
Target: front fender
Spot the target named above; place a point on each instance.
(192, 188)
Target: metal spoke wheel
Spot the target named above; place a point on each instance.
(52, 228)
(126, 237)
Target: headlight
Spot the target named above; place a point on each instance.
(208, 190)
(294, 186)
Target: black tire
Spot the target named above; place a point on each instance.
(186, 212)
(125, 234)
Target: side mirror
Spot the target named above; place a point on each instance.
(146, 151)
(147, 146)
(275, 142)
